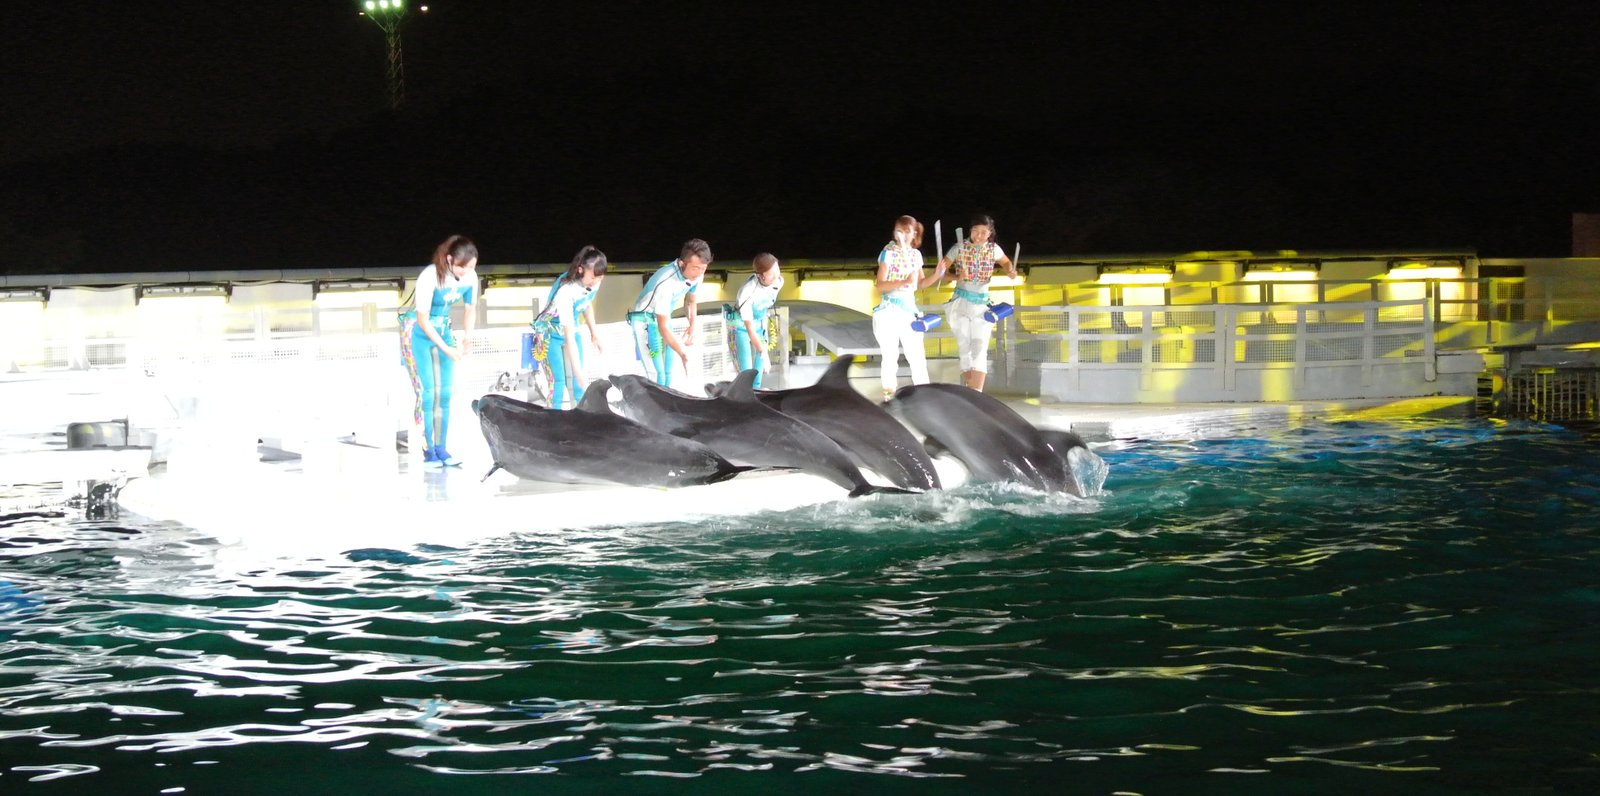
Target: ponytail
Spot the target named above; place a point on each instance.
(456, 247)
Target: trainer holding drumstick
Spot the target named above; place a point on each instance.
(900, 276)
(971, 264)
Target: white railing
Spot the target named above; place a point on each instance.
(1216, 343)
(266, 335)
(293, 383)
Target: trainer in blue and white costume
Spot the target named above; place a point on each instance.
(567, 300)
(971, 264)
(747, 317)
(428, 346)
(670, 285)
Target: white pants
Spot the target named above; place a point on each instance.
(893, 329)
(972, 334)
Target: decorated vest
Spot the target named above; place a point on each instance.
(902, 263)
(974, 262)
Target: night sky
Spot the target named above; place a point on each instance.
(214, 135)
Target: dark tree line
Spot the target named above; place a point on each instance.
(636, 159)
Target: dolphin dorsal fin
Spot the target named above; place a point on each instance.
(838, 372)
(743, 387)
(594, 398)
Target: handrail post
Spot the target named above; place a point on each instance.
(1369, 324)
(784, 342)
(1008, 348)
(1226, 323)
(1549, 306)
(1073, 365)
(1430, 364)
(1300, 365)
(1147, 345)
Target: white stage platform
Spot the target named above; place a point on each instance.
(376, 499)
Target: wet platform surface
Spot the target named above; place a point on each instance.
(365, 490)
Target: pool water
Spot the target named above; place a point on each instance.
(1338, 608)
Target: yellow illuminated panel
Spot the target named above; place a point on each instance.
(190, 317)
(1281, 276)
(857, 294)
(20, 315)
(1294, 292)
(24, 325)
(1144, 296)
(181, 306)
(1406, 291)
(340, 299)
(515, 295)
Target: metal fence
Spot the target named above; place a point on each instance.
(1219, 339)
(1551, 394)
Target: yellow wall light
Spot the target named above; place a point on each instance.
(1425, 269)
(1134, 274)
(1281, 272)
(519, 291)
(212, 292)
(356, 293)
(29, 294)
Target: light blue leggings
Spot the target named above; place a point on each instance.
(653, 351)
(558, 372)
(436, 373)
(746, 351)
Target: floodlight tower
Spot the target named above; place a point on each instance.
(388, 15)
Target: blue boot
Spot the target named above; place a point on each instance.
(444, 458)
(430, 460)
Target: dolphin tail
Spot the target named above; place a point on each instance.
(871, 489)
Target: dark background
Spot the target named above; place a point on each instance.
(256, 135)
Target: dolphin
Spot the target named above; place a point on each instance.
(991, 439)
(743, 430)
(871, 437)
(592, 445)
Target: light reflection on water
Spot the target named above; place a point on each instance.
(1336, 607)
